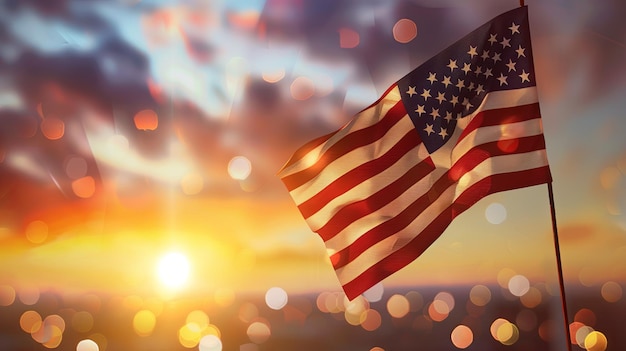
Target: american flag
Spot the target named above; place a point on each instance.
(463, 125)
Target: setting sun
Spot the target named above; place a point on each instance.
(173, 269)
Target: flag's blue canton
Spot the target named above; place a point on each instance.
(451, 85)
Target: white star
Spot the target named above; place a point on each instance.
(472, 51)
(426, 94)
(452, 65)
(446, 81)
(466, 68)
(493, 38)
(511, 65)
(471, 86)
(524, 76)
(488, 73)
(467, 104)
(429, 129)
(441, 97)
(443, 133)
(485, 54)
(448, 116)
(431, 77)
(520, 52)
(502, 79)
(514, 28)
(454, 100)
(479, 89)
(411, 91)
(496, 57)
(420, 110)
(505, 42)
(478, 70)
(435, 113)
(460, 84)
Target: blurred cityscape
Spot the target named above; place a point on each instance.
(515, 317)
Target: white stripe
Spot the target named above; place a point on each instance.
(488, 134)
(368, 187)
(364, 119)
(352, 159)
(362, 225)
(386, 247)
(493, 100)
(499, 165)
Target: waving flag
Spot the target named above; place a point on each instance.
(463, 125)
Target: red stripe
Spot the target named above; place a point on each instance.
(400, 221)
(350, 142)
(408, 253)
(359, 174)
(488, 118)
(359, 209)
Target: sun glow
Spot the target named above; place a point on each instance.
(173, 270)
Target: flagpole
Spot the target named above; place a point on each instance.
(559, 267)
(521, 3)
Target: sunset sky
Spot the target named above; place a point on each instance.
(130, 129)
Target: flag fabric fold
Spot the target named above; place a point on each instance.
(463, 125)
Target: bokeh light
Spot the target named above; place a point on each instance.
(274, 76)
(404, 30)
(611, 291)
(198, 320)
(447, 302)
(30, 321)
(75, 167)
(578, 333)
(192, 183)
(144, 322)
(504, 276)
(239, 168)
(7, 295)
(507, 333)
(82, 321)
(348, 38)
(146, 120)
(258, 332)
(416, 301)
(480, 295)
(596, 341)
(276, 298)
(302, 88)
(28, 295)
(462, 336)
(532, 298)
(372, 320)
(248, 312)
(210, 343)
(355, 311)
(519, 285)
(84, 187)
(87, 345)
(495, 213)
(53, 128)
(585, 316)
(37, 231)
(398, 306)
